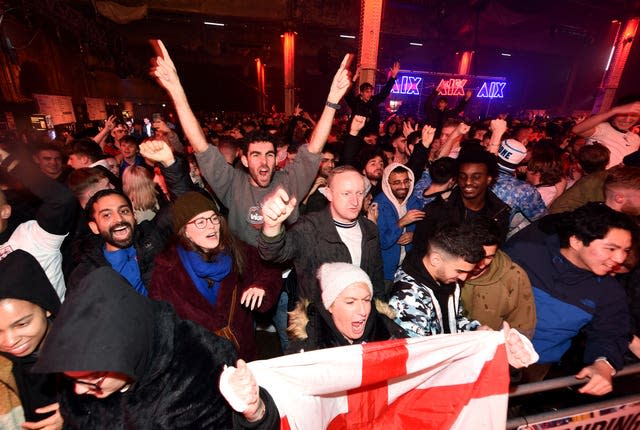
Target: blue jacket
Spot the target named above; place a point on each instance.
(390, 232)
(569, 299)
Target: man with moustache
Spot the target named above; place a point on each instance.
(117, 241)
(336, 234)
(473, 198)
(238, 190)
(398, 210)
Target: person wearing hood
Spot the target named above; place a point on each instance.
(132, 364)
(398, 210)
(345, 315)
(28, 304)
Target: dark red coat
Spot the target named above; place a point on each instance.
(171, 282)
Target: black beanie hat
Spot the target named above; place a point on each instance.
(189, 205)
(22, 278)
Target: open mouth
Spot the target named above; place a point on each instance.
(358, 326)
(120, 232)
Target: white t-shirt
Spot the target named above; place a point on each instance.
(620, 144)
(44, 246)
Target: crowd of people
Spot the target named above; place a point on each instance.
(133, 274)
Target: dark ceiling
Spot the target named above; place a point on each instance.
(556, 33)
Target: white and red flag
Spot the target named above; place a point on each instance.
(453, 381)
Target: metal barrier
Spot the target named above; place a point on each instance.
(563, 382)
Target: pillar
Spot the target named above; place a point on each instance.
(370, 18)
(465, 63)
(624, 40)
(288, 40)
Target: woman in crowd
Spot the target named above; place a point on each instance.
(133, 364)
(28, 304)
(211, 277)
(138, 185)
(345, 315)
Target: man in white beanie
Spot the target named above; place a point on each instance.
(526, 202)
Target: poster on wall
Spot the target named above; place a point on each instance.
(96, 108)
(60, 108)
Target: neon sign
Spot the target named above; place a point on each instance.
(407, 85)
(451, 87)
(493, 91)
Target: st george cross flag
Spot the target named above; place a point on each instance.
(453, 381)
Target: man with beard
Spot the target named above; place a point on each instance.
(240, 191)
(398, 210)
(371, 161)
(315, 199)
(117, 241)
(426, 292)
(473, 197)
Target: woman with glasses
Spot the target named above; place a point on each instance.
(28, 304)
(131, 363)
(211, 277)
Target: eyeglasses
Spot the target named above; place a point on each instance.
(405, 182)
(202, 222)
(93, 386)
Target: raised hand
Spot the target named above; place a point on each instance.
(462, 129)
(157, 151)
(341, 81)
(356, 124)
(428, 134)
(276, 208)
(407, 129)
(498, 126)
(395, 69)
(163, 70)
(110, 123)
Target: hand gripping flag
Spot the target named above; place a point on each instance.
(453, 381)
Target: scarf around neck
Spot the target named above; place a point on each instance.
(206, 276)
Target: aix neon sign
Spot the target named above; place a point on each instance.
(492, 91)
(407, 85)
(451, 87)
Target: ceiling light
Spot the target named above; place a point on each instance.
(505, 54)
(347, 36)
(415, 43)
(217, 24)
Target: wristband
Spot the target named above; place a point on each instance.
(335, 106)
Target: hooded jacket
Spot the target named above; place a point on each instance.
(502, 293)
(22, 278)
(569, 299)
(174, 364)
(424, 307)
(389, 212)
(311, 327)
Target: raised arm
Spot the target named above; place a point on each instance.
(339, 86)
(101, 138)
(587, 127)
(164, 71)
(498, 128)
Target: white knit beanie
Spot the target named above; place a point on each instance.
(335, 277)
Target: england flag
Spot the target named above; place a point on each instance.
(453, 381)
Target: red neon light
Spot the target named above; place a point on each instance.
(451, 87)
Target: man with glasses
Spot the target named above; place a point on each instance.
(398, 210)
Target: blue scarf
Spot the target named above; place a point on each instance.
(202, 273)
(125, 262)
